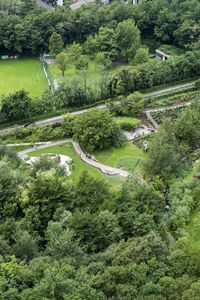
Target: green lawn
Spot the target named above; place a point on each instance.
(93, 74)
(128, 157)
(22, 74)
(80, 166)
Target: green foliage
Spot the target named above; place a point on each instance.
(128, 124)
(102, 61)
(140, 208)
(141, 56)
(164, 159)
(97, 130)
(10, 181)
(81, 240)
(187, 125)
(68, 124)
(74, 52)
(82, 63)
(90, 193)
(17, 106)
(96, 231)
(132, 105)
(127, 37)
(62, 61)
(55, 43)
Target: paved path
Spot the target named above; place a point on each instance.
(58, 119)
(141, 131)
(149, 111)
(43, 4)
(78, 4)
(90, 161)
(170, 90)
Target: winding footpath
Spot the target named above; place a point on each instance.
(59, 119)
(90, 161)
(108, 170)
(141, 131)
(149, 111)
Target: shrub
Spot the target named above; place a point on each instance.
(128, 124)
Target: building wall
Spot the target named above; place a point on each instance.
(60, 2)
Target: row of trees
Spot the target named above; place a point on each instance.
(129, 79)
(26, 27)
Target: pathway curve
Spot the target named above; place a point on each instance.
(143, 130)
(90, 161)
(170, 107)
(58, 119)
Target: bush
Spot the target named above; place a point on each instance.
(128, 124)
(96, 129)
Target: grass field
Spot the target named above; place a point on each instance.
(80, 166)
(22, 74)
(129, 157)
(93, 74)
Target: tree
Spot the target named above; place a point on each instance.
(164, 159)
(139, 208)
(96, 129)
(132, 105)
(187, 125)
(96, 231)
(10, 181)
(61, 242)
(127, 37)
(68, 124)
(62, 61)
(74, 52)
(141, 56)
(55, 43)
(193, 292)
(82, 65)
(17, 106)
(46, 192)
(102, 62)
(90, 193)
(25, 247)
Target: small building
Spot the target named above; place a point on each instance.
(60, 2)
(136, 1)
(48, 59)
(161, 55)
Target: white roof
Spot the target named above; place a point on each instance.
(162, 53)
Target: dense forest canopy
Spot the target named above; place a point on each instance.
(26, 27)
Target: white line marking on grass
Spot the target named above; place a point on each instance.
(38, 77)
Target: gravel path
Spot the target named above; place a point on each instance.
(58, 119)
(90, 161)
(149, 111)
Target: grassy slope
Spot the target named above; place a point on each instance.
(93, 74)
(128, 157)
(80, 166)
(22, 74)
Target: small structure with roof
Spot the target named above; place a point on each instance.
(48, 59)
(63, 160)
(161, 55)
(60, 2)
